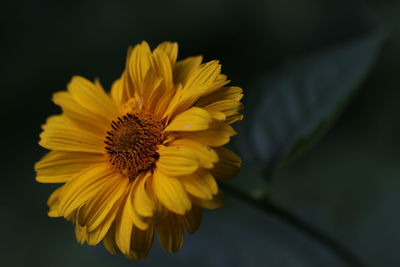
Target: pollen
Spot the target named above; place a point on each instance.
(131, 143)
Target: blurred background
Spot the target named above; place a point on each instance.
(347, 184)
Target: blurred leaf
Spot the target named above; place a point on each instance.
(323, 127)
(288, 111)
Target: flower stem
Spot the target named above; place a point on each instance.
(272, 208)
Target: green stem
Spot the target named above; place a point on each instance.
(285, 215)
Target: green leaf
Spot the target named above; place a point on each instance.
(286, 112)
(305, 143)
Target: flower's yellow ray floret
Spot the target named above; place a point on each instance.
(143, 159)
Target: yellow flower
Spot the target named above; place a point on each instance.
(144, 158)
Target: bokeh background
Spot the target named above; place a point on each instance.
(347, 184)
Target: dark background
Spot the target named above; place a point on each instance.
(347, 185)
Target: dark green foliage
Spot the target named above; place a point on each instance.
(288, 110)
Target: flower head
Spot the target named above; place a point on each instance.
(143, 159)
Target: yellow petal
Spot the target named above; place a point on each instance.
(117, 92)
(72, 216)
(138, 220)
(192, 219)
(171, 193)
(93, 98)
(143, 203)
(225, 93)
(60, 167)
(97, 208)
(122, 89)
(162, 68)
(83, 187)
(81, 233)
(180, 102)
(53, 213)
(205, 74)
(200, 184)
(58, 121)
(185, 68)
(152, 91)
(170, 49)
(158, 88)
(228, 165)
(234, 118)
(193, 119)
(176, 160)
(138, 64)
(203, 80)
(53, 202)
(132, 256)
(227, 107)
(217, 115)
(97, 235)
(218, 134)
(206, 155)
(109, 241)
(214, 203)
(170, 234)
(161, 102)
(58, 134)
(123, 227)
(80, 116)
(142, 241)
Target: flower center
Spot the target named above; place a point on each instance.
(131, 144)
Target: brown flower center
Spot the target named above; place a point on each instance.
(131, 144)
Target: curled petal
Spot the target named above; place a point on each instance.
(170, 233)
(228, 165)
(171, 193)
(60, 167)
(193, 119)
(177, 160)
